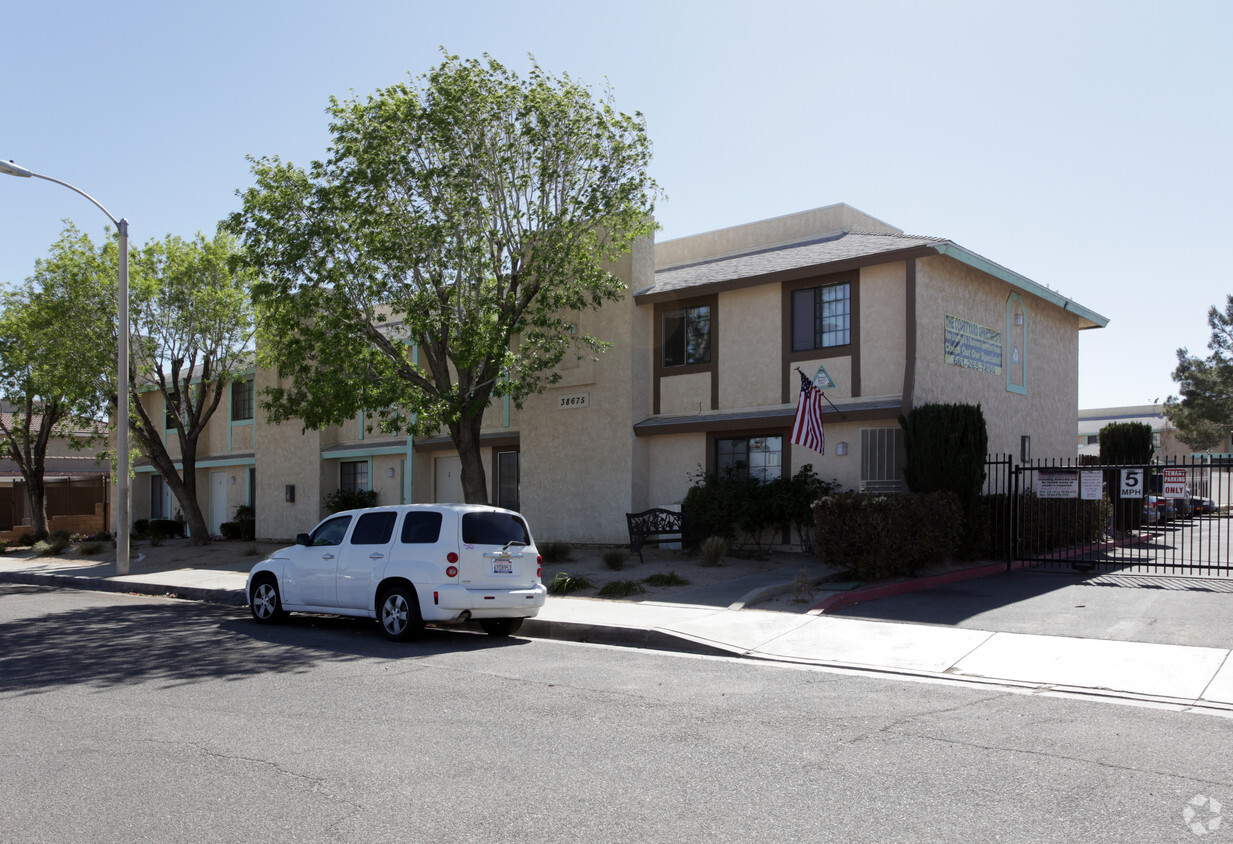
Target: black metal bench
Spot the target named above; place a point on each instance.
(658, 525)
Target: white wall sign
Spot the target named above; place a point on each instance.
(574, 400)
(1091, 485)
(1057, 483)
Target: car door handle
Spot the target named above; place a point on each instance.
(376, 556)
(327, 556)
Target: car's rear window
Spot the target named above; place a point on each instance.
(374, 528)
(421, 528)
(493, 529)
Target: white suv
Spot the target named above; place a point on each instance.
(407, 565)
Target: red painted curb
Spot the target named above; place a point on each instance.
(886, 590)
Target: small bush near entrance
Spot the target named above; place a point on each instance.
(732, 504)
(615, 558)
(164, 528)
(555, 552)
(564, 583)
(621, 589)
(669, 579)
(350, 499)
(713, 550)
(881, 536)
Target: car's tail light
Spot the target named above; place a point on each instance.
(539, 566)
(452, 571)
(451, 557)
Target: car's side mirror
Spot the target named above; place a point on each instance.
(303, 539)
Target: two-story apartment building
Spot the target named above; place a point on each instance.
(701, 374)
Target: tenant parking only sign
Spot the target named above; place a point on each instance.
(1174, 483)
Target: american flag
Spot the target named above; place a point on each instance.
(807, 428)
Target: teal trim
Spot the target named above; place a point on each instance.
(1011, 335)
(388, 451)
(206, 463)
(359, 423)
(409, 483)
(952, 250)
(505, 411)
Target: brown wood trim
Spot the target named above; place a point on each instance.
(786, 276)
(657, 351)
(909, 337)
(851, 349)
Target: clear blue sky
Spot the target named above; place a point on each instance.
(1085, 145)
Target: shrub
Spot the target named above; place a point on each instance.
(229, 530)
(722, 505)
(141, 526)
(713, 550)
(4, 545)
(877, 537)
(246, 522)
(945, 447)
(563, 583)
(621, 589)
(555, 552)
(669, 579)
(350, 499)
(52, 545)
(88, 549)
(615, 558)
(164, 528)
(29, 538)
(1125, 443)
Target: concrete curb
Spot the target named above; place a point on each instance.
(231, 597)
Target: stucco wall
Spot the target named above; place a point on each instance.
(285, 455)
(1048, 412)
(882, 321)
(749, 347)
(674, 460)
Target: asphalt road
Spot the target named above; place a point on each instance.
(147, 719)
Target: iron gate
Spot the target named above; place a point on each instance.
(1066, 515)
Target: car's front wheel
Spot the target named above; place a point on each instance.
(265, 603)
(500, 626)
(399, 614)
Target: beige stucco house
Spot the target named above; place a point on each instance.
(701, 374)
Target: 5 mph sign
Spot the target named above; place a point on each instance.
(1132, 483)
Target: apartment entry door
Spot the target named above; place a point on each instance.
(447, 479)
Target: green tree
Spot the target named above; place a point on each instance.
(55, 352)
(1203, 415)
(192, 331)
(1122, 444)
(432, 262)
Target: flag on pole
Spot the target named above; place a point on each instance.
(807, 428)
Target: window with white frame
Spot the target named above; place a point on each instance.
(353, 475)
(686, 336)
(821, 317)
(760, 458)
(882, 457)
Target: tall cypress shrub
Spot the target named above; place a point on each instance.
(1125, 444)
(946, 446)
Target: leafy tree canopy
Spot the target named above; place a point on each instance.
(434, 259)
(1203, 414)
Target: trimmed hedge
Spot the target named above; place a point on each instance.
(882, 536)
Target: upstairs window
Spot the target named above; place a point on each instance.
(687, 336)
(821, 317)
(241, 401)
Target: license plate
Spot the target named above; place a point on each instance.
(502, 566)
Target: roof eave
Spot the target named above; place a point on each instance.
(1087, 318)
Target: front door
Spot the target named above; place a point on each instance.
(218, 502)
(447, 483)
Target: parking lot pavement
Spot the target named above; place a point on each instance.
(1116, 607)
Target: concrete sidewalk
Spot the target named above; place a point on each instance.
(1174, 676)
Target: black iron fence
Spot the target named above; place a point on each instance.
(1140, 519)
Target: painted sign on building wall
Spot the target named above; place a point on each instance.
(973, 346)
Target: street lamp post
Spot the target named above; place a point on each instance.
(122, 399)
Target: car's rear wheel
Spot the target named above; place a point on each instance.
(500, 626)
(265, 603)
(399, 614)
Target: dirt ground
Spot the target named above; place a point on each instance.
(583, 561)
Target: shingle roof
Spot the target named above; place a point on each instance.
(844, 246)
